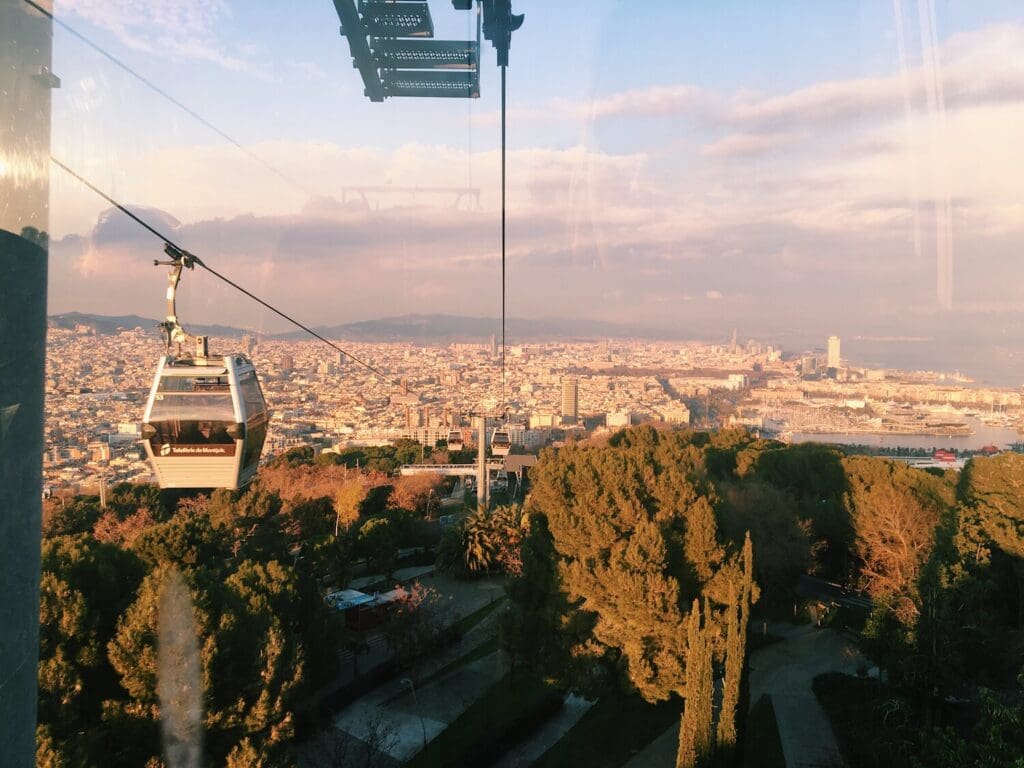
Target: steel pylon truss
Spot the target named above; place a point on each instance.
(393, 47)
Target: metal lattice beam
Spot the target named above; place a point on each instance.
(430, 84)
(426, 54)
(404, 18)
(393, 48)
(362, 58)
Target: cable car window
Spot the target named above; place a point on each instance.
(249, 390)
(194, 406)
(190, 432)
(194, 384)
(257, 433)
(192, 410)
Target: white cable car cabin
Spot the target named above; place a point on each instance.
(206, 418)
(205, 422)
(455, 440)
(501, 444)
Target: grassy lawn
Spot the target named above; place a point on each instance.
(761, 745)
(611, 732)
(518, 701)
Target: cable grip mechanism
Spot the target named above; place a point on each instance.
(173, 332)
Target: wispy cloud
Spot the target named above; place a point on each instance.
(975, 69)
(649, 102)
(184, 28)
(655, 101)
(686, 225)
(749, 144)
(309, 69)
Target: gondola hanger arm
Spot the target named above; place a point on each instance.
(173, 332)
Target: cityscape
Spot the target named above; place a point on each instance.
(428, 620)
(506, 383)
(553, 392)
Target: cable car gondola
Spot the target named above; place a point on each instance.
(501, 443)
(455, 440)
(206, 418)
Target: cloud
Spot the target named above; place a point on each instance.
(745, 145)
(183, 28)
(654, 101)
(309, 69)
(976, 69)
(618, 234)
(979, 68)
(651, 101)
(582, 223)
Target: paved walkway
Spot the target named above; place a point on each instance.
(660, 753)
(410, 720)
(526, 752)
(785, 671)
(414, 720)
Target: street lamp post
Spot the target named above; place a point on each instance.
(412, 688)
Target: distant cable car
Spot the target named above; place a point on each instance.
(455, 440)
(206, 418)
(501, 443)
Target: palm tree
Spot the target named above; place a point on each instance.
(480, 543)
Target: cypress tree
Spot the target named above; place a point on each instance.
(686, 756)
(735, 653)
(733, 670)
(748, 589)
(705, 693)
(695, 726)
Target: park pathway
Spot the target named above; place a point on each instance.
(526, 752)
(784, 671)
(407, 719)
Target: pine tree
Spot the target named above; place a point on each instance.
(701, 545)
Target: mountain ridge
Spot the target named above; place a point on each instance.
(409, 327)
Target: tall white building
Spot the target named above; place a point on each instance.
(833, 352)
(570, 399)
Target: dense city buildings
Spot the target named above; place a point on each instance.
(554, 391)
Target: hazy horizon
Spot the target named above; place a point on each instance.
(991, 362)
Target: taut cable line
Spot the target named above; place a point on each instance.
(199, 262)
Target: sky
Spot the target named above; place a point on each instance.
(792, 169)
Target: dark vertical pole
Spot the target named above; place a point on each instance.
(503, 237)
(25, 83)
(481, 466)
